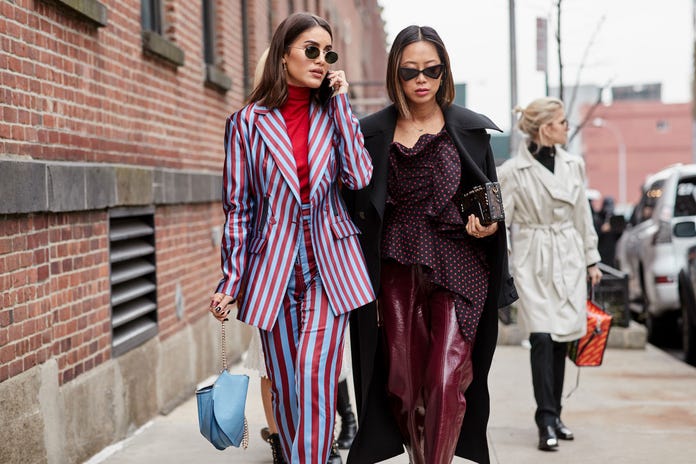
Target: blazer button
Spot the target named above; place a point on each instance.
(361, 214)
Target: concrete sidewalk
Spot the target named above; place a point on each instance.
(638, 407)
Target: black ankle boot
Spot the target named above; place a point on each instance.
(349, 425)
(274, 441)
(547, 439)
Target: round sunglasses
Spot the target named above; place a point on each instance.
(312, 52)
(433, 72)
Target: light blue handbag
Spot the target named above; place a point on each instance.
(221, 407)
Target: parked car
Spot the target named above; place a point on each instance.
(688, 298)
(653, 249)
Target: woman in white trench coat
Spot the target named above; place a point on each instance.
(554, 252)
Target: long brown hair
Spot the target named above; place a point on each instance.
(407, 36)
(272, 90)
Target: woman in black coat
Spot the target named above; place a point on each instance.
(423, 126)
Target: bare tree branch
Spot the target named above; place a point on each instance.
(591, 111)
(558, 47)
(583, 61)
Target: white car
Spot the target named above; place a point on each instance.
(653, 248)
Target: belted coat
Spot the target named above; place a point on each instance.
(378, 435)
(552, 243)
(261, 200)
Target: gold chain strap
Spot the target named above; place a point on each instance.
(223, 341)
(224, 347)
(245, 438)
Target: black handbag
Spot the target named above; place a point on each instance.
(484, 201)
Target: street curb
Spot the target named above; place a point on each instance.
(632, 337)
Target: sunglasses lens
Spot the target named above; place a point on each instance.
(311, 52)
(408, 73)
(433, 72)
(331, 57)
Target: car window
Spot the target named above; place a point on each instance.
(684, 203)
(647, 202)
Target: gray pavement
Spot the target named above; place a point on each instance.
(638, 407)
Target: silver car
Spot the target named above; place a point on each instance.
(653, 249)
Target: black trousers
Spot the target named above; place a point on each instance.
(548, 370)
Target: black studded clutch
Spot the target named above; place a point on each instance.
(484, 201)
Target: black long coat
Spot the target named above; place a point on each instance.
(378, 436)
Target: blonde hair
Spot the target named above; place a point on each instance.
(539, 112)
(258, 72)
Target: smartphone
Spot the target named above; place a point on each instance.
(325, 91)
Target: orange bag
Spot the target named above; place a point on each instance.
(589, 350)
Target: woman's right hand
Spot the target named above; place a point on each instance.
(220, 306)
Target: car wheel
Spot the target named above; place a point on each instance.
(663, 330)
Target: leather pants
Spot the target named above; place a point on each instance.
(429, 362)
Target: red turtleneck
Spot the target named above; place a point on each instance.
(295, 111)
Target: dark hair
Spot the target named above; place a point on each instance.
(407, 36)
(272, 89)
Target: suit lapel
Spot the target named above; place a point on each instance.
(272, 128)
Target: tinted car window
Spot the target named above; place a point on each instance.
(684, 203)
(644, 209)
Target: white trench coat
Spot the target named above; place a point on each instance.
(552, 242)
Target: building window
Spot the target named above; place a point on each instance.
(214, 75)
(245, 47)
(152, 15)
(662, 125)
(209, 31)
(133, 278)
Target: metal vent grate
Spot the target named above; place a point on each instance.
(133, 279)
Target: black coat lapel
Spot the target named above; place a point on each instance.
(460, 123)
(378, 130)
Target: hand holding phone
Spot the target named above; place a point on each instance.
(337, 81)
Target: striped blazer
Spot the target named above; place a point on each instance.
(261, 201)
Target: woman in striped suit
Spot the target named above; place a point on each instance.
(288, 239)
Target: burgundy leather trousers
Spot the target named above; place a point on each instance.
(429, 362)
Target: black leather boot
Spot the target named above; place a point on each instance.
(349, 426)
(274, 441)
(547, 439)
(562, 432)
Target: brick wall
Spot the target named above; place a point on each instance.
(75, 92)
(654, 135)
(55, 288)
(188, 258)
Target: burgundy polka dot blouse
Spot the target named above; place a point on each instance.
(421, 218)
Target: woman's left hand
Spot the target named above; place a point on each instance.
(476, 229)
(594, 274)
(337, 80)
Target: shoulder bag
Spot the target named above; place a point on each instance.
(221, 405)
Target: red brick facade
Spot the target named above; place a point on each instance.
(55, 293)
(654, 134)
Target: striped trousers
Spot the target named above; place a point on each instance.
(303, 355)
